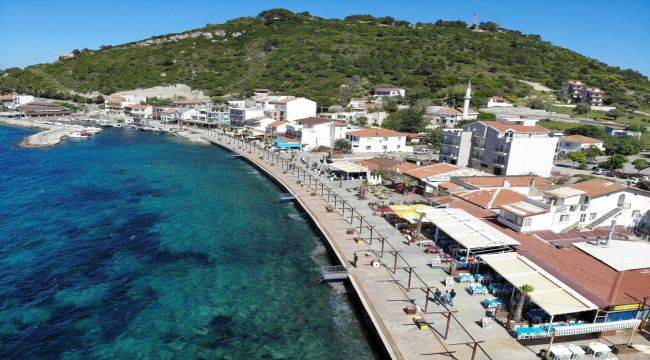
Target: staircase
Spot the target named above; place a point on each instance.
(332, 273)
(615, 211)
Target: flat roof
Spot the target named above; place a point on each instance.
(524, 208)
(619, 254)
(565, 192)
(467, 230)
(347, 167)
(549, 293)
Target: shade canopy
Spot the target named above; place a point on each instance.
(467, 230)
(549, 293)
(347, 167)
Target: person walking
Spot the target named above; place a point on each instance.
(437, 296)
(354, 261)
(452, 295)
(447, 298)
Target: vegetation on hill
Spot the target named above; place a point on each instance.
(330, 60)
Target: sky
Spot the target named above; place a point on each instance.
(36, 31)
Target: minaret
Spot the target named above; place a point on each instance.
(468, 96)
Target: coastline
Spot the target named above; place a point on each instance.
(51, 133)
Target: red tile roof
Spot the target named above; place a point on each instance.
(514, 180)
(581, 139)
(375, 132)
(492, 199)
(502, 127)
(598, 187)
(593, 279)
(276, 124)
(313, 121)
(431, 170)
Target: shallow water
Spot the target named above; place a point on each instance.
(134, 245)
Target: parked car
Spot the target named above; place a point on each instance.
(598, 171)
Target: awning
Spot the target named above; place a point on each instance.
(467, 230)
(549, 293)
(347, 167)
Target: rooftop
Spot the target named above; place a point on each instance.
(313, 121)
(598, 187)
(493, 198)
(432, 170)
(503, 127)
(498, 181)
(620, 254)
(581, 139)
(564, 192)
(375, 132)
(524, 208)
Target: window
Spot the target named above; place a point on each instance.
(368, 147)
(527, 221)
(636, 213)
(564, 218)
(399, 146)
(592, 216)
(385, 139)
(583, 217)
(572, 208)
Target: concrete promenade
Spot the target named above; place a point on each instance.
(384, 290)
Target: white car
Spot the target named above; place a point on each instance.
(598, 171)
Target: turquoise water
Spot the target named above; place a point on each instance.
(136, 245)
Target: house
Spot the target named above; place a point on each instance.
(591, 204)
(361, 104)
(277, 127)
(217, 116)
(316, 132)
(13, 101)
(498, 101)
(577, 92)
(261, 93)
(528, 185)
(286, 108)
(187, 114)
(491, 199)
(448, 116)
(377, 140)
(138, 111)
(502, 147)
(382, 93)
(166, 115)
(259, 124)
(375, 163)
(431, 176)
(115, 104)
(619, 131)
(571, 143)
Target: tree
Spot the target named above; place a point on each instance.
(625, 146)
(488, 26)
(592, 131)
(592, 152)
(640, 164)
(615, 162)
(577, 157)
(582, 109)
(362, 121)
(636, 127)
(341, 144)
(519, 305)
(486, 116)
(614, 113)
(407, 120)
(276, 15)
(536, 104)
(433, 137)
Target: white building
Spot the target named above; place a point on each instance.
(590, 204)
(448, 116)
(13, 101)
(382, 93)
(571, 143)
(498, 101)
(239, 116)
(360, 104)
(377, 140)
(286, 108)
(185, 114)
(431, 176)
(503, 147)
(139, 111)
(277, 127)
(115, 104)
(316, 132)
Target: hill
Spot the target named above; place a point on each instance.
(330, 60)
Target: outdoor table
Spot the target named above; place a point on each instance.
(492, 302)
(576, 351)
(499, 288)
(477, 289)
(599, 350)
(465, 278)
(482, 277)
(559, 353)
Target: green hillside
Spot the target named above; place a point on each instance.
(330, 60)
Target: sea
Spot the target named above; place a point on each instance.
(137, 245)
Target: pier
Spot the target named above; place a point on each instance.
(387, 280)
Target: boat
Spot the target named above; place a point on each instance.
(286, 197)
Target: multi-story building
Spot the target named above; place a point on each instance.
(12, 101)
(589, 204)
(571, 143)
(238, 116)
(577, 92)
(376, 140)
(115, 104)
(316, 132)
(503, 147)
(286, 108)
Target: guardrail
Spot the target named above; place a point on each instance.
(347, 211)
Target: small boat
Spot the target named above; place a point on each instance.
(286, 197)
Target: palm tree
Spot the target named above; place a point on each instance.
(519, 305)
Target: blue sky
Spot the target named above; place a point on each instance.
(616, 32)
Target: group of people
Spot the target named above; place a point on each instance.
(446, 298)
